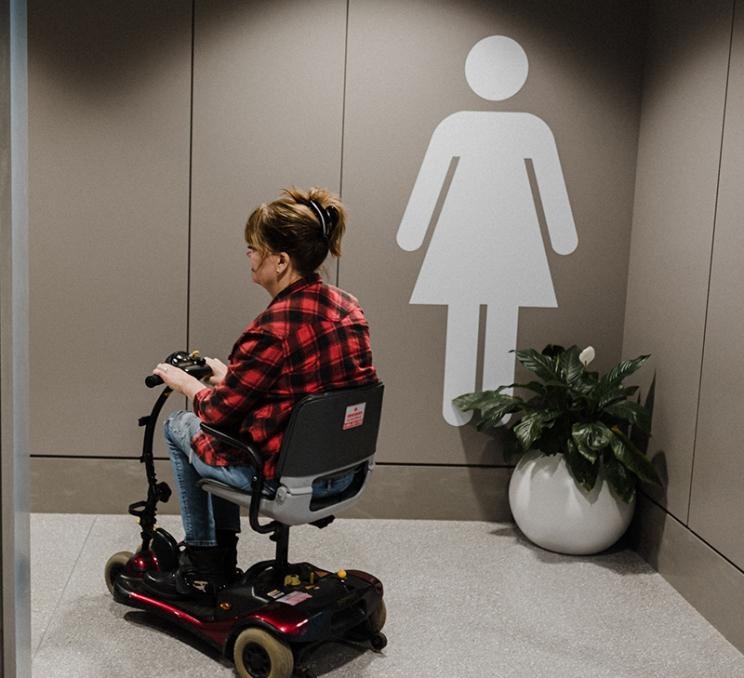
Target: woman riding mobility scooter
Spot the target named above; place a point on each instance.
(276, 611)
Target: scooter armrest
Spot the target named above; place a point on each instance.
(254, 457)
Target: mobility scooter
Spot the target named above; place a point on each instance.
(276, 611)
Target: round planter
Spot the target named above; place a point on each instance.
(556, 513)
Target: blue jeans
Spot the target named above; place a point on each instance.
(202, 513)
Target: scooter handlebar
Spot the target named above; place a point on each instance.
(191, 363)
(152, 380)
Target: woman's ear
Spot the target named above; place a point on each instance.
(282, 263)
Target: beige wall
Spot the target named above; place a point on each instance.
(154, 132)
(684, 299)
(265, 116)
(144, 166)
(109, 93)
(673, 219)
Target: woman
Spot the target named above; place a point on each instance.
(312, 337)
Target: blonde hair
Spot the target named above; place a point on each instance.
(307, 225)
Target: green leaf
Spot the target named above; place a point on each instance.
(632, 458)
(534, 386)
(474, 401)
(583, 470)
(633, 413)
(499, 401)
(625, 369)
(493, 417)
(552, 350)
(482, 400)
(591, 438)
(619, 478)
(569, 366)
(542, 365)
(529, 429)
(612, 394)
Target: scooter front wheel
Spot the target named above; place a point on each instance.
(116, 565)
(258, 654)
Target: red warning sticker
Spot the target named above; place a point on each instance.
(354, 415)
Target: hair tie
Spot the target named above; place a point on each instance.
(332, 214)
(324, 218)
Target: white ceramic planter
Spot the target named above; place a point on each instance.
(554, 512)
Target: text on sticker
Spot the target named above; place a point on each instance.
(354, 415)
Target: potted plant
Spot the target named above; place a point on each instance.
(582, 439)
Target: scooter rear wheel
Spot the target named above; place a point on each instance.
(258, 654)
(115, 566)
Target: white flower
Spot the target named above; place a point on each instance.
(586, 356)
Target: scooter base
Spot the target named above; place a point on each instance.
(311, 607)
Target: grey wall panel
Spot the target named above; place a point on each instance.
(268, 105)
(717, 501)
(678, 159)
(405, 75)
(109, 157)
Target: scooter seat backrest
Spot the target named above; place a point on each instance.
(331, 431)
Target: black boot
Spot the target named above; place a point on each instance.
(200, 575)
(228, 540)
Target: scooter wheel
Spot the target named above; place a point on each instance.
(115, 566)
(258, 654)
(378, 641)
(370, 626)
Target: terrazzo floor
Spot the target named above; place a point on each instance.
(464, 599)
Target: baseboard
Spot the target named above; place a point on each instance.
(709, 582)
(104, 486)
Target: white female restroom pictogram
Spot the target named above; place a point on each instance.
(486, 247)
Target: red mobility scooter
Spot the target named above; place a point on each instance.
(276, 611)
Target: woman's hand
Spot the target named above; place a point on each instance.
(179, 380)
(219, 370)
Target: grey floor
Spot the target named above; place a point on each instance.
(464, 599)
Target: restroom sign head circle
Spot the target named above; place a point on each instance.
(496, 68)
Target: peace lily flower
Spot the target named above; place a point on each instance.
(586, 356)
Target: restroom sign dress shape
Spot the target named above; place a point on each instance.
(486, 247)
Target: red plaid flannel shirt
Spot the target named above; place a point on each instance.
(312, 337)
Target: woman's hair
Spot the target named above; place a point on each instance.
(307, 225)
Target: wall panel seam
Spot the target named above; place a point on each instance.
(191, 178)
(343, 129)
(710, 264)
